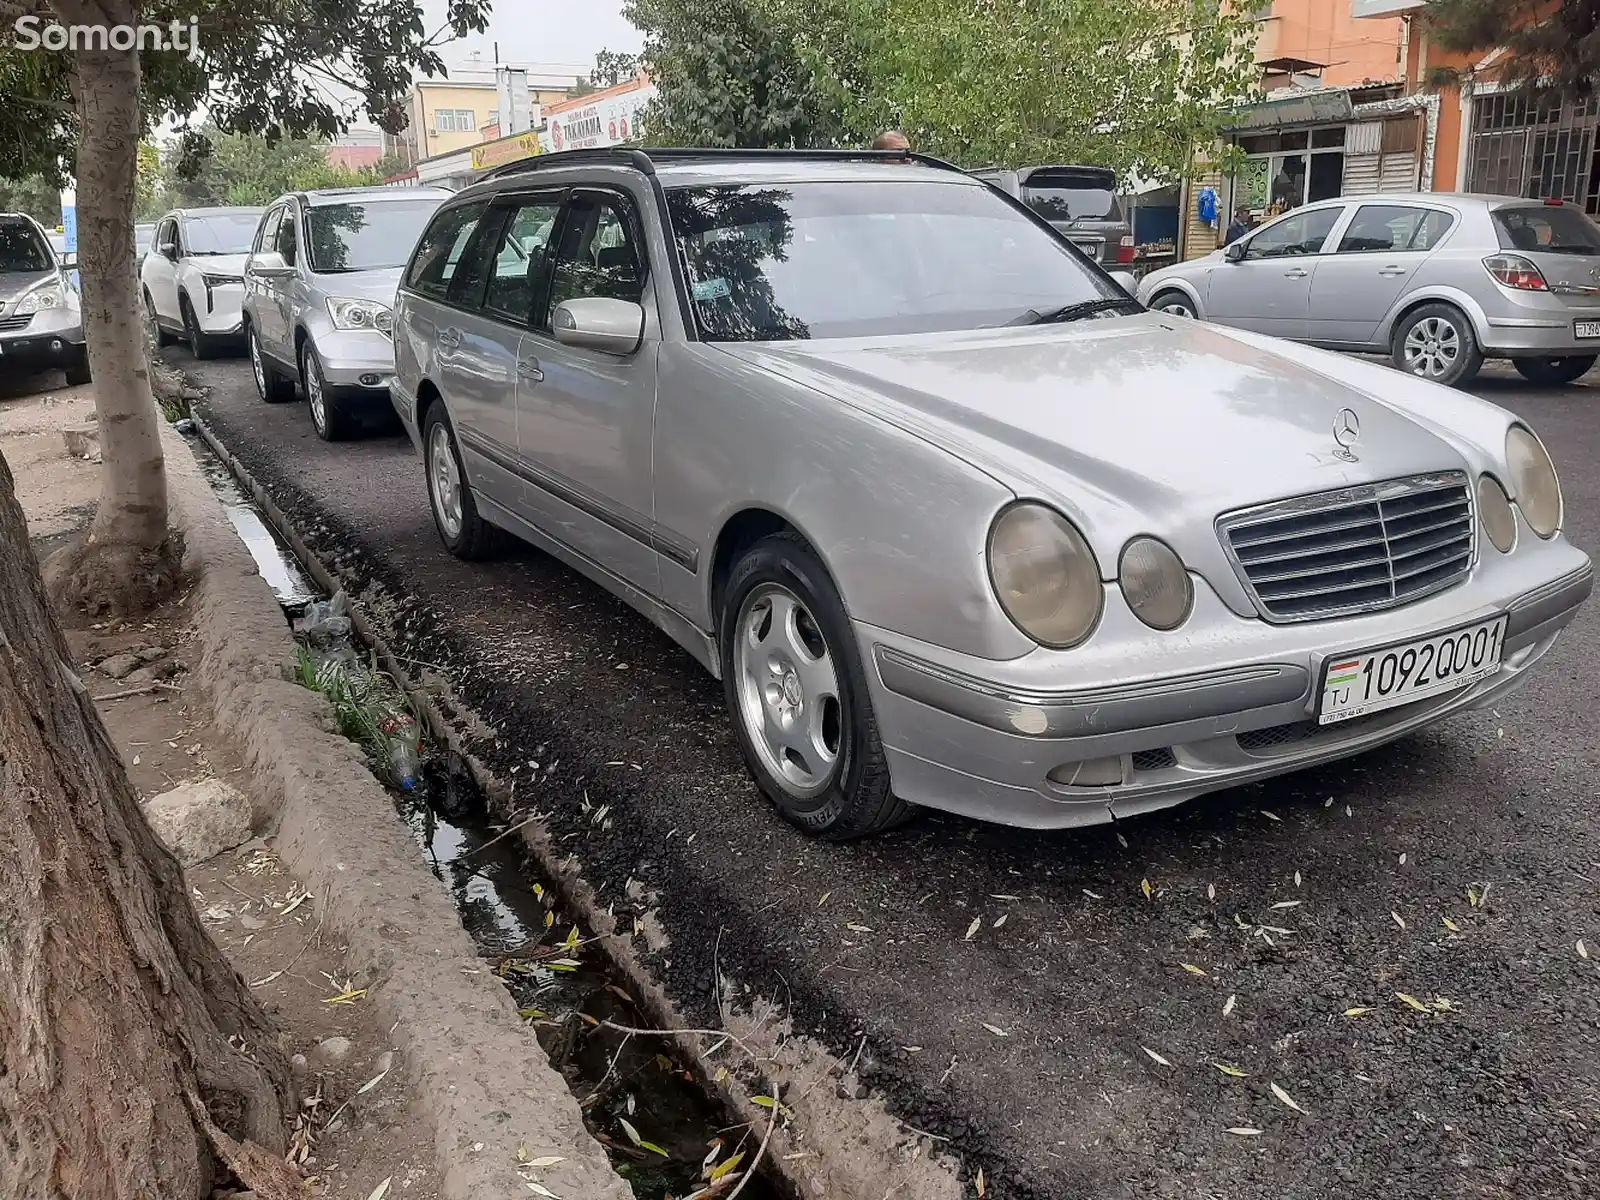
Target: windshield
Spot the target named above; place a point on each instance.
(1548, 229)
(817, 260)
(373, 236)
(1073, 196)
(22, 250)
(224, 234)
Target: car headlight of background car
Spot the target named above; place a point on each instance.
(361, 314)
(1044, 575)
(1155, 583)
(1494, 510)
(48, 296)
(1533, 481)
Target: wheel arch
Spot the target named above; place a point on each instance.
(1184, 288)
(739, 531)
(1454, 297)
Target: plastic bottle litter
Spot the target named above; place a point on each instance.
(326, 624)
(401, 744)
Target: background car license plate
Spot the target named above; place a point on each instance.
(1586, 329)
(1372, 680)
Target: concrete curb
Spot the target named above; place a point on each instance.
(480, 1076)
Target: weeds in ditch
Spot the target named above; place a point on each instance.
(369, 708)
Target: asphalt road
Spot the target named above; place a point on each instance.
(1067, 1049)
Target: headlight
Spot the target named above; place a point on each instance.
(1044, 575)
(1533, 481)
(216, 281)
(361, 314)
(1494, 510)
(1155, 584)
(48, 296)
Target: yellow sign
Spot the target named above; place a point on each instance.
(506, 150)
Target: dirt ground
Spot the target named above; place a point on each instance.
(359, 1126)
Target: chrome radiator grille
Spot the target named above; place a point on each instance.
(1354, 550)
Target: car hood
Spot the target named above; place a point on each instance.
(362, 285)
(14, 283)
(1142, 424)
(220, 264)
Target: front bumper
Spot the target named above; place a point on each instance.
(964, 738)
(49, 338)
(356, 361)
(220, 310)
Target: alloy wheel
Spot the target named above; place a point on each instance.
(1177, 308)
(313, 385)
(257, 367)
(1432, 348)
(788, 689)
(444, 480)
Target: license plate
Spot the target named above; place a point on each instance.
(1370, 681)
(1586, 329)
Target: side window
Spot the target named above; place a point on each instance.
(1394, 228)
(1302, 233)
(267, 234)
(287, 244)
(597, 257)
(439, 252)
(520, 258)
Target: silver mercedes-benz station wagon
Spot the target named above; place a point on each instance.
(957, 522)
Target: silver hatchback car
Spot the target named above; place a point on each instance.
(956, 521)
(1439, 281)
(318, 285)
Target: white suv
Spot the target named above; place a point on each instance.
(192, 279)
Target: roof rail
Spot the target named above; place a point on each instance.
(644, 161)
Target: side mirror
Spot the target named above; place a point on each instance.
(69, 260)
(1236, 251)
(1126, 281)
(597, 323)
(168, 250)
(268, 264)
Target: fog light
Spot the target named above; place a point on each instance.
(371, 380)
(55, 346)
(1091, 772)
(1494, 510)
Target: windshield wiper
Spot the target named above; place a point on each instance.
(1076, 312)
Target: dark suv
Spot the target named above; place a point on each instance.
(1079, 201)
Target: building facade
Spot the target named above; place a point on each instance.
(455, 113)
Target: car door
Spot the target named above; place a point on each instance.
(1374, 258)
(162, 275)
(1268, 289)
(585, 419)
(290, 292)
(259, 289)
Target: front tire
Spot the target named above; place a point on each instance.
(271, 386)
(1554, 372)
(328, 415)
(152, 326)
(455, 514)
(797, 692)
(1436, 342)
(201, 343)
(1174, 302)
(77, 371)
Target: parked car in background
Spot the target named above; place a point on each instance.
(319, 283)
(1438, 281)
(41, 319)
(957, 522)
(144, 236)
(1081, 202)
(192, 283)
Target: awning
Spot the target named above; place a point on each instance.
(1301, 108)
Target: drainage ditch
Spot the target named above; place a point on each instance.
(664, 1133)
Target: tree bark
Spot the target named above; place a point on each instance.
(128, 1044)
(127, 561)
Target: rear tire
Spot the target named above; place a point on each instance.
(201, 343)
(328, 415)
(455, 514)
(1175, 303)
(1554, 372)
(271, 385)
(1436, 342)
(77, 371)
(786, 643)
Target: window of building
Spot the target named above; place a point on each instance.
(455, 120)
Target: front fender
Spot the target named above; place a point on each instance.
(1149, 286)
(901, 525)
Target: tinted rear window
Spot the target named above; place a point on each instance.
(22, 250)
(1547, 229)
(1073, 196)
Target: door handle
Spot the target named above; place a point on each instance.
(449, 338)
(529, 369)
(1295, 273)
(1391, 270)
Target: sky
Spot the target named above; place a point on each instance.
(544, 31)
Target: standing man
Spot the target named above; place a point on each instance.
(892, 139)
(1240, 226)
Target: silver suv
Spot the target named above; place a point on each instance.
(41, 319)
(318, 286)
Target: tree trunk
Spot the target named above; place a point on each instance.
(128, 1044)
(126, 562)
